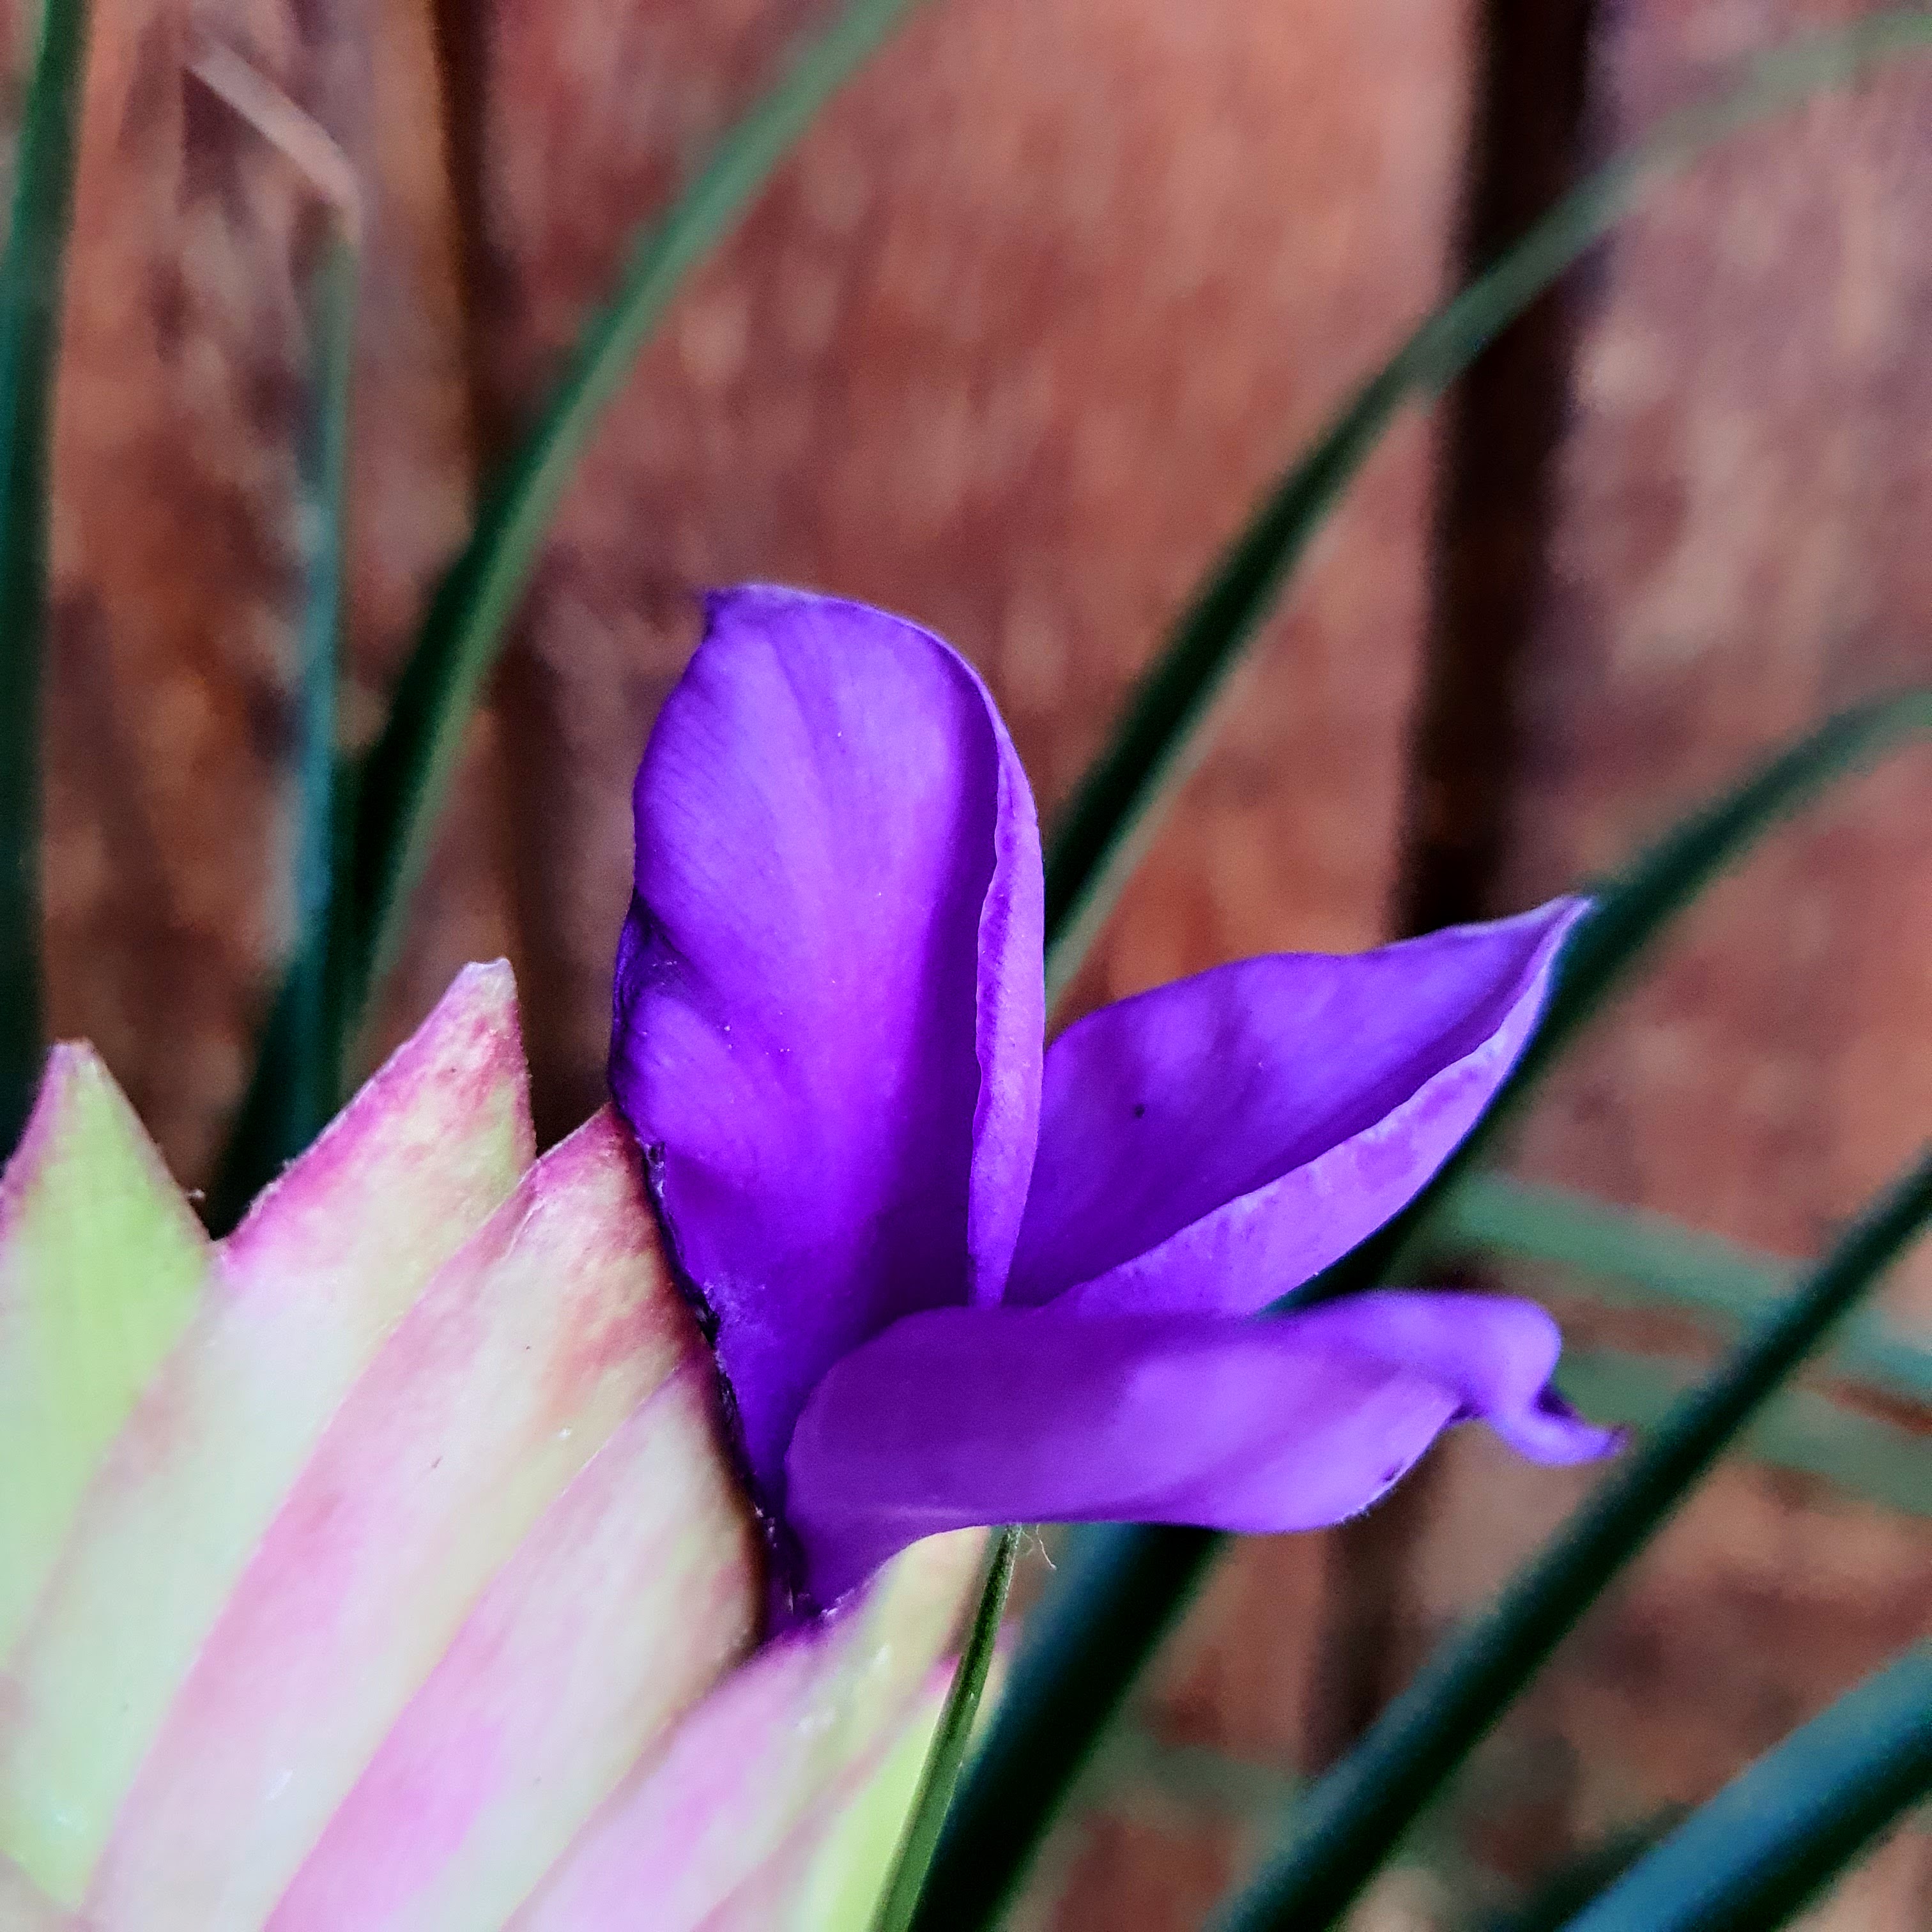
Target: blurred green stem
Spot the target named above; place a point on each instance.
(1761, 1850)
(31, 279)
(948, 1751)
(311, 1090)
(1866, 1456)
(297, 1081)
(1649, 1261)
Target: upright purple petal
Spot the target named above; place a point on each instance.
(1010, 1030)
(828, 1002)
(1212, 1144)
(1026, 1415)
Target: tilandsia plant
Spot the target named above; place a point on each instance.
(409, 1558)
(387, 1564)
(384, 1564)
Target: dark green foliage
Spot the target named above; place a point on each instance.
(1754, 1857)
(1360, 1810)
(30, 311)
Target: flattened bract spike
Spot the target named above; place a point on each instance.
(101, 1263)
(745, 1778)
(300, 1299)
(519, 1362)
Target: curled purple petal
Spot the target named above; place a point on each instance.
(827, 1030)
(968, 1416)
(1212, 1144)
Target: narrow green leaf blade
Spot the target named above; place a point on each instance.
(314, 1091)
(947, 1751)
(1646, 1260)
(1357, 1812)
(1122, 1590)
(296, 1087)
(1884, 1463)
(399, 789)
(852, 1867)
(1754, 1856)
(1629, 917)
(31, 277)
(1047, 1727)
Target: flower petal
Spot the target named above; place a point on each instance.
(967, 1416)
(1212, 1144)
(828, 1011)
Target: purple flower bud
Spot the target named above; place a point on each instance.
(953, 1276)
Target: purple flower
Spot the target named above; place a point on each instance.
(953, 1276)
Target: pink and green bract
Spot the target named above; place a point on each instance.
(954, 1277)
(380, 1566)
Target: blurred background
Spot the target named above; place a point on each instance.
(1047, 298)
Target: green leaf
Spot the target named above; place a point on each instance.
(1122, 1590)
(1106, 1619)
(1629, 917)
(1643, 1260)
(1801, 1430)
(408, 768)
(1117, 807)
(313, 1089)
(297, 1084)
(947, 1751)
(30, 305)
(1361, 1807)
(1754, 1856)
(399, 790)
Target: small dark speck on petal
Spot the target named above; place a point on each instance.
(1140, 1110)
